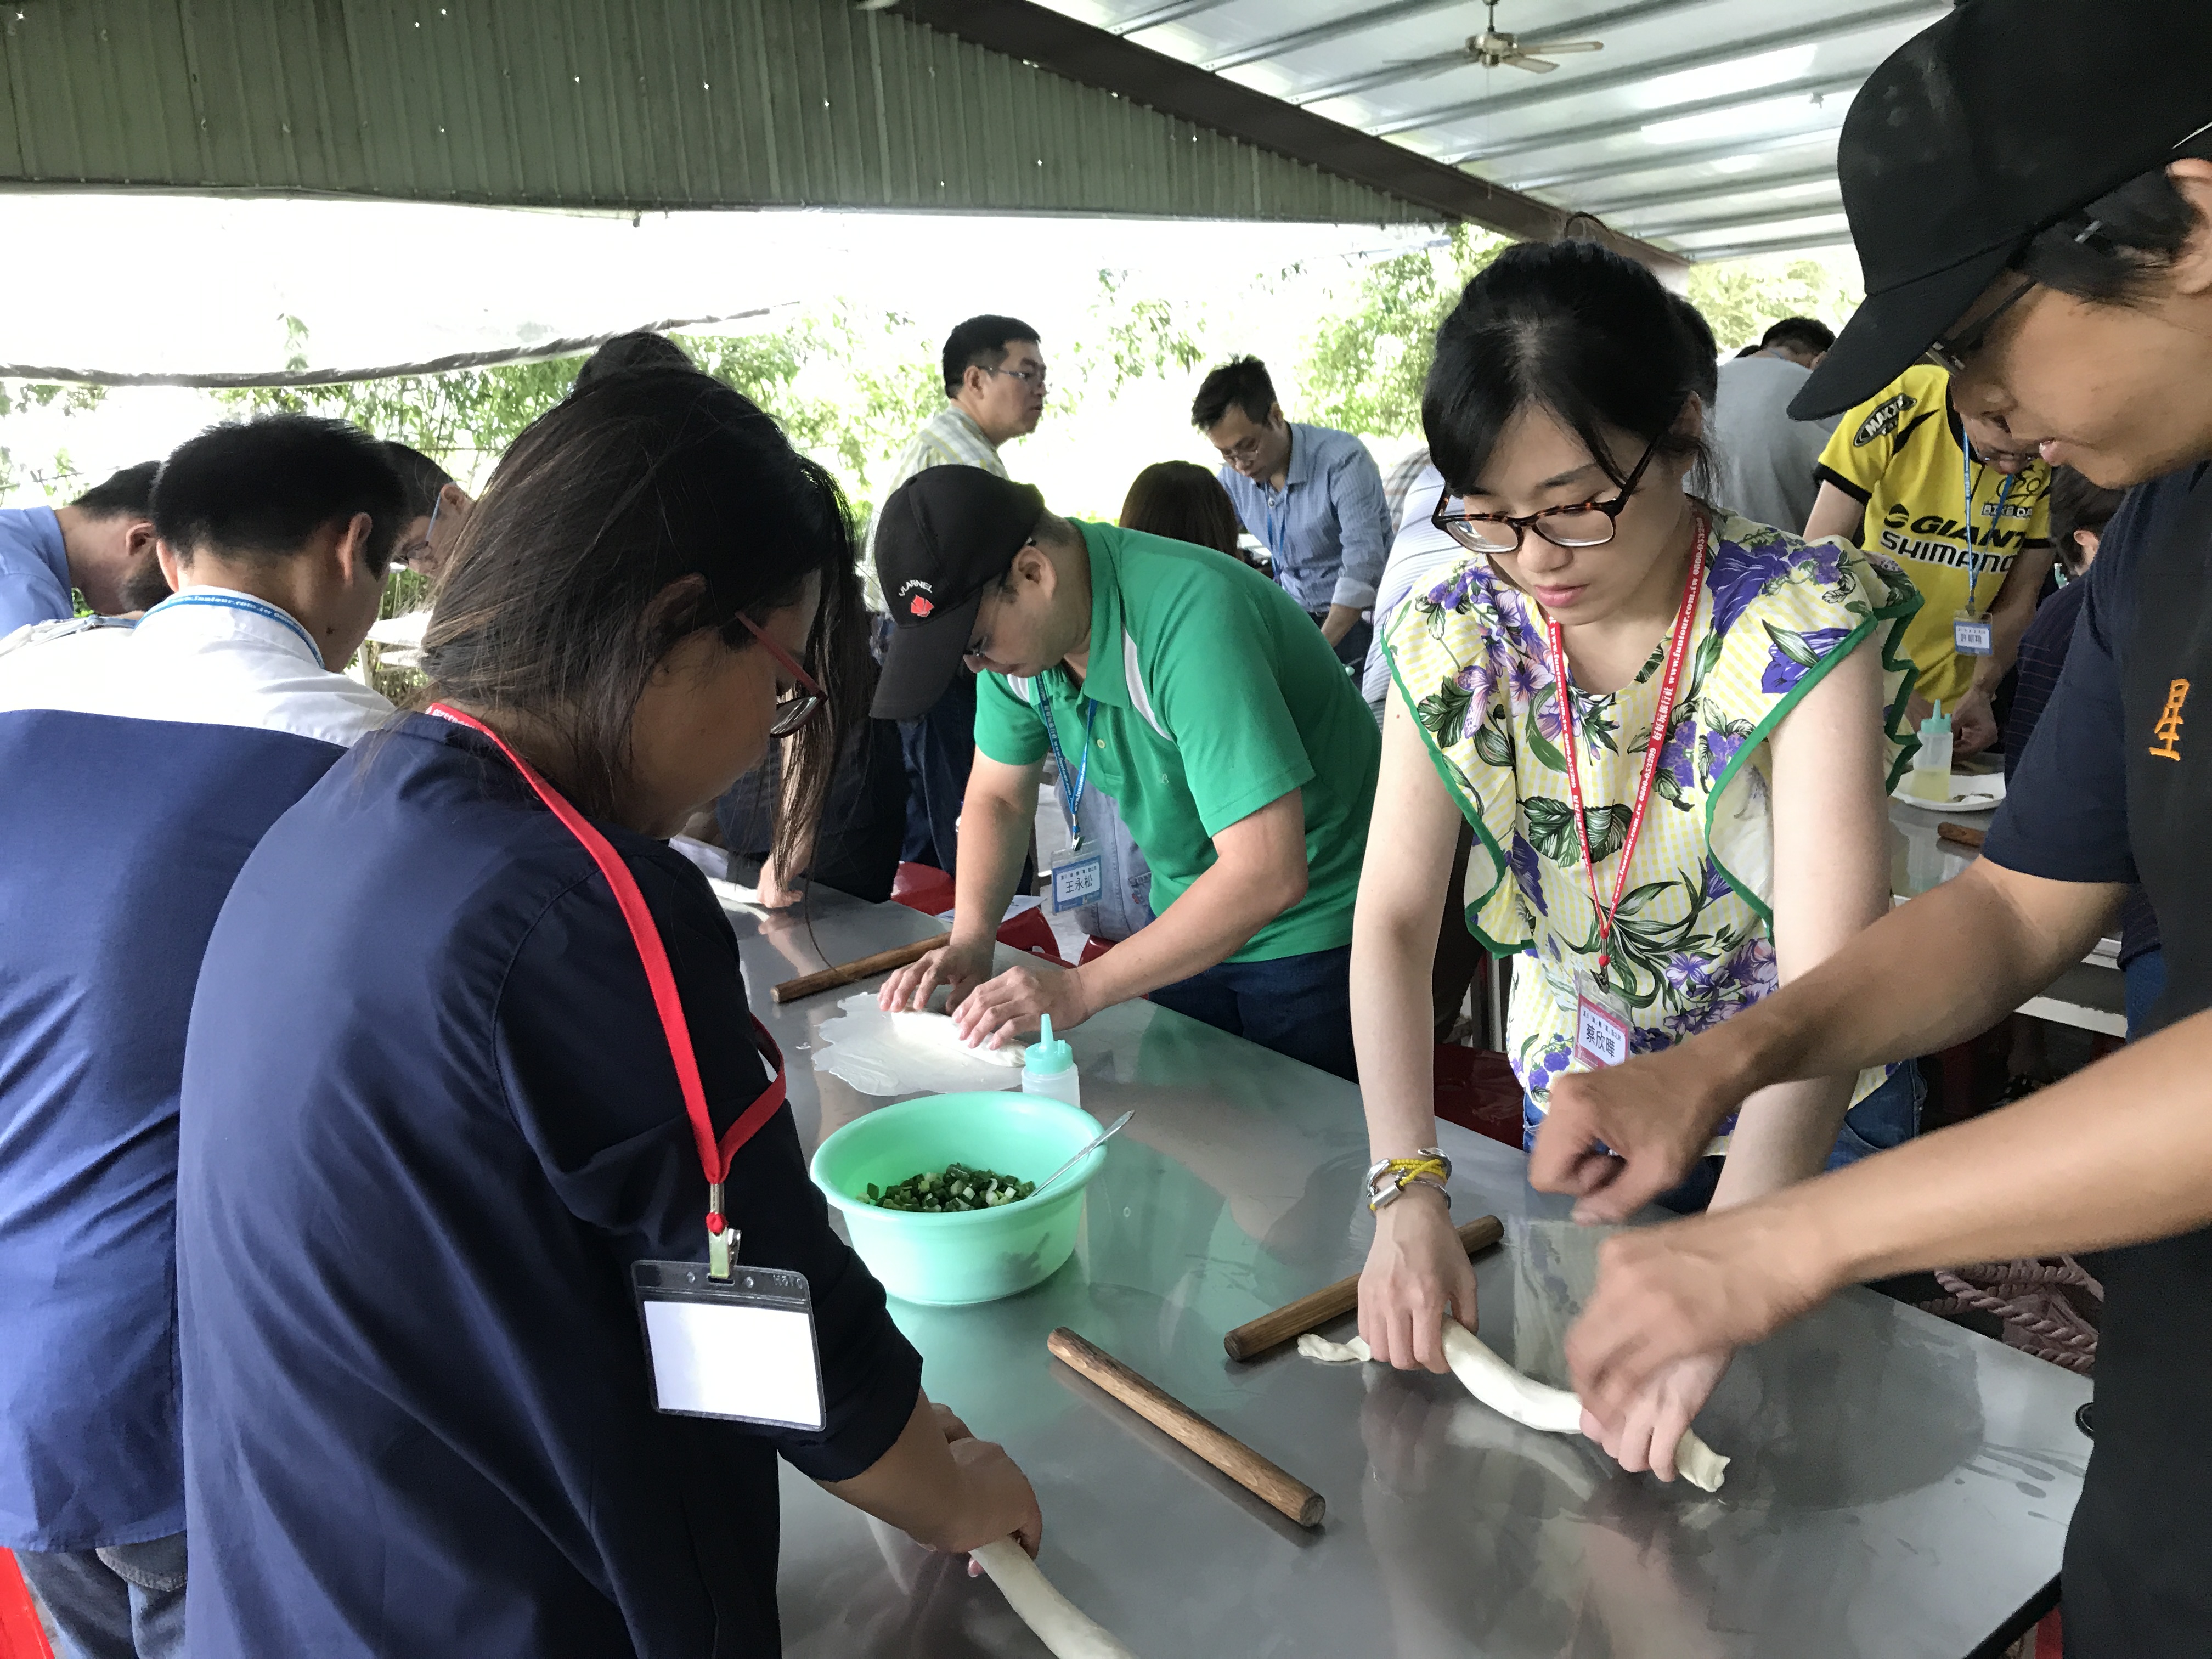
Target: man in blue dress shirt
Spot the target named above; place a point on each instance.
(144, 762)
(1313, 497)
(101, 544)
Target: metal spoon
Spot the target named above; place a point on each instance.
(1100, 1140)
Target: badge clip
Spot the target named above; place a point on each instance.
(721, 1237)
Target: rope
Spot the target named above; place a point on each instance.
(2026, 1295)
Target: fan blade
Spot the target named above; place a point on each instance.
(1522, 60)
(1565, 46)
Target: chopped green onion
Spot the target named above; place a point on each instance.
(956, 1188)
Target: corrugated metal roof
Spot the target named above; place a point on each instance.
(1704, 126)
(650, 103)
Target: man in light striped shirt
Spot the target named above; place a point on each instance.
(995, 388)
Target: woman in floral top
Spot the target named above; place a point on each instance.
(1560, 413)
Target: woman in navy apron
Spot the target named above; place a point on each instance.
(471, 1072)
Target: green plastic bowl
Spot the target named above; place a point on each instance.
(975, 1255)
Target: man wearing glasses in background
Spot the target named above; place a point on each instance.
(995, 388)
(1312, 496)
(1893, 478)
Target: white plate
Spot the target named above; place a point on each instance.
(1970, 792)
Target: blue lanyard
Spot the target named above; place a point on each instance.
(1073, 796)
(247, 603)
(1996, 516)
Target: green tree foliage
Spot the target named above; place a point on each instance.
(1138, 337)
(1743, 298)
(59, 477)
(1365, 367)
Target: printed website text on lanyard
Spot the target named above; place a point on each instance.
(1678, 649)
(1071, 793)
(1996, 523)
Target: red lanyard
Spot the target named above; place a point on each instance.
(715, 1157)
(1678, 650)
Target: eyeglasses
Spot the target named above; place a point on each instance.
(409, 552)
(1954, 354)
(1024, 375)
(801, 706)
(1583, 524)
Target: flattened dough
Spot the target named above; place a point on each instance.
(1058, 1622)
(1498, 1386)
(936, 1030)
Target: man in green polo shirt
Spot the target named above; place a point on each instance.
(1189, 688)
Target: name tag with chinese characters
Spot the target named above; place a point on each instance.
(1601, 1026)
(1079, 883)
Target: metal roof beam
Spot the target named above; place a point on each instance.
(1772, 245)
(1666, 162)
(1820, 86)
(1744, 220)
(1575, 86)
(1712, 189)
(1093, 57)
(1174, 12)
(1336, 28)
(1323, 31)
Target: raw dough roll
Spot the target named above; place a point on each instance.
(936, 1030)
(1498, 1386)
(1059, 1622)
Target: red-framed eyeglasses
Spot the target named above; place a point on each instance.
(795, 710)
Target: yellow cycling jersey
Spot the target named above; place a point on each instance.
(1903, 453)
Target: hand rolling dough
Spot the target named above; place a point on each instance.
(1058, 1622)
(1498, 1386)
(936, 1030)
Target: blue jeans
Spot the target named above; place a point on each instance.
(1297, 1005)
(125, 1602)
(2146, 979)
(1889, 1117)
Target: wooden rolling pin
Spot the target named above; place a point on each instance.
(1272, 1486)
(1964, 834)
(1310, 1313)
(846, 972)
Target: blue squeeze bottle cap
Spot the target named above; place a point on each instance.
(1047, 1058)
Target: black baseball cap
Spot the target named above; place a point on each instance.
(945, 535)
(1984, 129)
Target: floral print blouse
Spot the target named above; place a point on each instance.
(1693, 940)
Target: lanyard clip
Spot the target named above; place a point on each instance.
(721, 1237)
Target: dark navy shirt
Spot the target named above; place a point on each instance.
(430, 1121)
(138, 766)
(2065, 812)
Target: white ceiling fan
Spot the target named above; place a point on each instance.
(1494, 50)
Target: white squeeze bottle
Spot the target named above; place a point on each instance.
(1049, 1068)
(1931, 767)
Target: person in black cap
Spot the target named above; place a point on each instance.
(1188, 688)
(2055, 254)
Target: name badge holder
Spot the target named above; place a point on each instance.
(1602, 1026)
(722, 1339)
(1078, 879)
(1971, 635)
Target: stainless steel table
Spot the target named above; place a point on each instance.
(1900, 1486)
(2092, 994)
